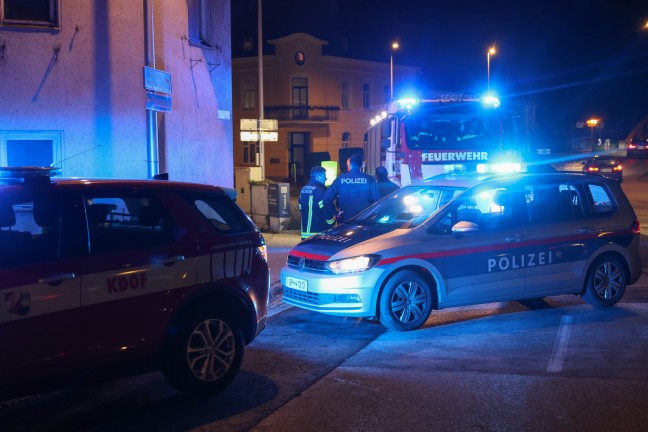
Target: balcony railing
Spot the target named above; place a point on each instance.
(302, 112)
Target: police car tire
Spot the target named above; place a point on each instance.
(395, 313)
(200, 334)
(606, 282)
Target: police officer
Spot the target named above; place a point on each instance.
(385, 186)
(316, 216)
(352, 192)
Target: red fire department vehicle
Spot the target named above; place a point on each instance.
(416, 139)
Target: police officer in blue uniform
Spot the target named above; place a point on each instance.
(316, 216)
(352, 192)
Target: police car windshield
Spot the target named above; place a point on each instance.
(408, 207)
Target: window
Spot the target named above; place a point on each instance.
(601, 199)
(32, 13)
(552, 202)
(346, 137)
(366, 96)
(344, 90)
(221, 213)
(30, 148)
(249, 94)
(250, 152)
(199, 20)
(40, 227)
(300, 98)
(124, 221)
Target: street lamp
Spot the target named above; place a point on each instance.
(491, 51)
(592, 123)
(394, 46)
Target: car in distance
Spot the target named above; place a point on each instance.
(508, 237)
(637, 148)
(609, 166)
(112, 277)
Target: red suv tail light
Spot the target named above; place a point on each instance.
(263, 252)
(636, 226)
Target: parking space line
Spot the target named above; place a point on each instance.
(557, 359)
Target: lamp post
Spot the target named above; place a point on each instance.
(491, 51)
(394, 46)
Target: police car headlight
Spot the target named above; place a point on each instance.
(353, 265)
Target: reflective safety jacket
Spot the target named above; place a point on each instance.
(352, 192)
(316, 216)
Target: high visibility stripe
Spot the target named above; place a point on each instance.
(310, 213)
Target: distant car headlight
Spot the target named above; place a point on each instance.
(353, 265)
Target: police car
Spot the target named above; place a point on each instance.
(444, 243)
(105, 276)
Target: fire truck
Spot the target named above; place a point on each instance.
(417, 139)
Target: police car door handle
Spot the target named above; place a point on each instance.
(586, 230)
(170, 261)
(57, 279)
(514, 238)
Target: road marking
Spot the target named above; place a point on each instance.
(557, 359)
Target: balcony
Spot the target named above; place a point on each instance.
(302, 112)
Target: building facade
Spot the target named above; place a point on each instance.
(72, 88)
(322, 104)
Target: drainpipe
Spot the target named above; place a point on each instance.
(151, 116)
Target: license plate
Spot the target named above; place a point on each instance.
(295, 283)
(606, 170)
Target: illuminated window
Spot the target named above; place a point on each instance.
(344, 90)
(199, 18)
(249, 94)
(366, 96)
(30, 148)
(31, 13)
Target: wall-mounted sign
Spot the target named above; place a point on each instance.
(157, 80)
(158, 102)
(256, 124)
(254, 136)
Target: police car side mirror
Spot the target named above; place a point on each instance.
(462, 228)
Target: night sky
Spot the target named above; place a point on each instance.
(572, 59)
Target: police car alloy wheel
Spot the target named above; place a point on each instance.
(406, 302)
(206, 354)
(606, 282)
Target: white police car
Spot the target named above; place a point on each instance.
(104, 277)
(439, 244)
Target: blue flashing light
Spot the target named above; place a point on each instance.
(490, 102)
(407, 103)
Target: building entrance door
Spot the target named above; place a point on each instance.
(299, 146)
